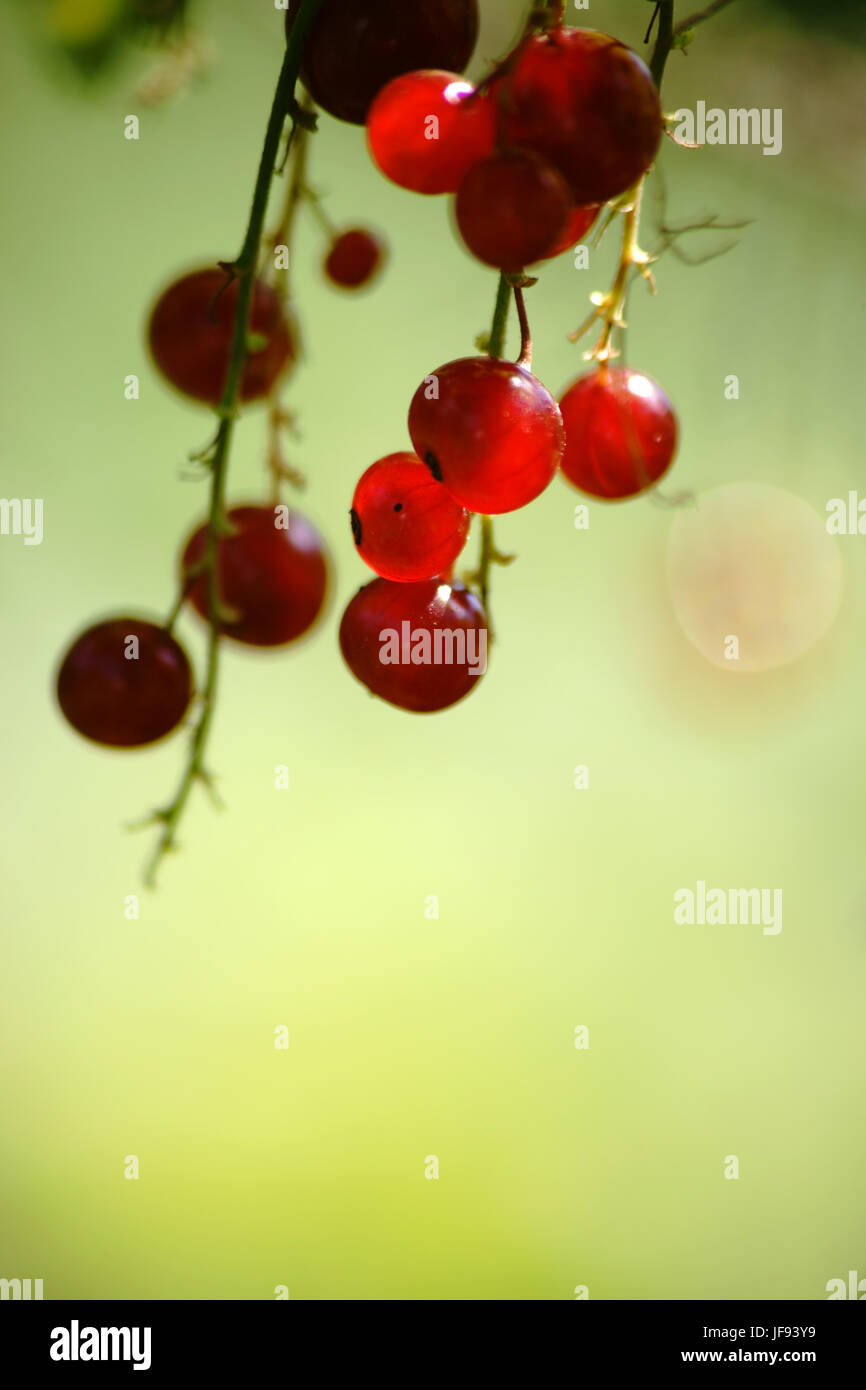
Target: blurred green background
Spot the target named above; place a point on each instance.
(412, 1037)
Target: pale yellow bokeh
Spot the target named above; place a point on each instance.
(753, 563)
(82, 21)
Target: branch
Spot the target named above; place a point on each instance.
(495, 347)
(496, 338)
(664, 40)
(610, 307)
(243, 269)
(525, 358)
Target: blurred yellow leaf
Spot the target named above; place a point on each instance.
(83, 22)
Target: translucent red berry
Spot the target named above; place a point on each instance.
(406, 525)
(489, 430)
(420, 646)
(124, 683)
(511, 208)
(272, 578)
(190, 335)
(579, 222)
(355, 46)
(354, 258)
(587, 104)
(426, 129)
(620, 432)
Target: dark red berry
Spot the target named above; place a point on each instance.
(354, 259)
(489, 430)
(272, 579)
(426, 129)
(406, 526)
(511, 208)
(579, 222)
(620, 432)
(587, 104)
(190, 335)
(124, 683)
(420, 646)
(355, 46)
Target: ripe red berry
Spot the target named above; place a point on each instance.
(355, 46)
(620, 432)
(426, 129)
(489, 430)
(511, 208)
(587, 104)
(190, 336)
(272, 580)
(406, 526)
(579, 222)
(419, 646)
(124, 683)
(354, 259)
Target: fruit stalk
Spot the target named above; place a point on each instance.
(664, 40)
(243, 269)
(610, 307)
(489, 555)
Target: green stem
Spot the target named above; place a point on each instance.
(485, 559)
(489, 555)
(496, 341)
(664, 41)
(243, 269)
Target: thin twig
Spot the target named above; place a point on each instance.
(525, 358)
(664, 40)
(495, 348)
(609, 308)
(243, 270)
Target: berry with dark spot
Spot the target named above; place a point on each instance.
(405, 524)
(489, 430)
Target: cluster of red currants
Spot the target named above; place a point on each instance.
(126, 682)
(569, 121)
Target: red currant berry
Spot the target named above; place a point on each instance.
(124, 683)
(579, 222)
(354, 259)
(489, 431)
(406, 526)
(620, 432)
(511, 208)
(271, 579)
(355, 46)
(587, 104)
(191, 330)
(420, 646)
(426, 129)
